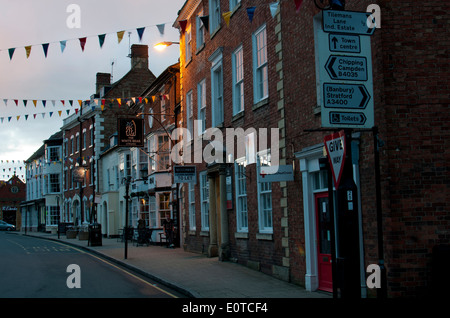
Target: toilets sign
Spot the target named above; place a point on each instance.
(335, 147)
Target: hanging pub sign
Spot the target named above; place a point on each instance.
(78, 174)
(131, 132)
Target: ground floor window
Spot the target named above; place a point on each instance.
(164, 207)
(53, 215)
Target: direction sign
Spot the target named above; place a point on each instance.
(347, 118)
(344, 43)
(342, 67)
(348, 96)
(348, 22)
(336, 150)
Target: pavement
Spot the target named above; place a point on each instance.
(194, 275)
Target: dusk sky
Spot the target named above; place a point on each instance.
(68, 75)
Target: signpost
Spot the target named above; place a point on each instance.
(344, 68)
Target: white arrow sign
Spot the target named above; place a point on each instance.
(341, 67)
(348, 22)
(336, 150)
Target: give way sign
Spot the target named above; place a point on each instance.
(335, 146)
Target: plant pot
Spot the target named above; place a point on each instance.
(83, 236)
(71, 234)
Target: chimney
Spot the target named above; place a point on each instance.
(103, 79)
(139, 56)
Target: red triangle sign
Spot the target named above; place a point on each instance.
(336, 150)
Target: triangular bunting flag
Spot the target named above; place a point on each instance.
(16, 102)
(274, 8)
(28, 50)
(11, 53)
(153, 98)
(101, 39)
(44, 102)
(82, 43)
(53, 102)
(62, 102)
(34, 102)
(183, 24)
(68, 111)
(63, 45)
(59, 112)
(161, 28)
(102, 106)
(18, 118)
(119, 101)
(71, 102)
(80, 102)
(140, 32)
(45, 48)
(51, 113)
(25, 102)
(9, 118)
(34, 116)
(26, 117)
(76, 110)
(43, 115)
(6, 101)
(205, 20)
(298, 3)
(120, 36)
(226, 17)
(250, 13)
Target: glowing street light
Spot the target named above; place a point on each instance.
(162, 45)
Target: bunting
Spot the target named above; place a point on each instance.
(83, 40)
(94, 103)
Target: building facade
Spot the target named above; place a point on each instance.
(257, 67)
(87, 134)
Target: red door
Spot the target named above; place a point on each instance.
(323, 230)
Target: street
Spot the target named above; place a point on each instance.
(36, 268)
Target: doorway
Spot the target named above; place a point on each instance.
(323, 232)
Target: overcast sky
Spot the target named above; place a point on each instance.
(69, 74)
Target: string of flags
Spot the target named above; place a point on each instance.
(83, 40)
(8, 168)
(98, 102)
(250, 13)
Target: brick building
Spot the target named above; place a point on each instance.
(88, 132)
(227, 81)
(12, 193)
(226, 65)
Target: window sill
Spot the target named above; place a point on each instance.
(238, 116)
(261, 103)
(213, 34)
(204, 233)
(200, 48)
(241, 235)
(264, 236)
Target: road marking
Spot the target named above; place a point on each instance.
(121, 269)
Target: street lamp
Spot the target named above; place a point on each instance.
(162, 45)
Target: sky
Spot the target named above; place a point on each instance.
(71, 74)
